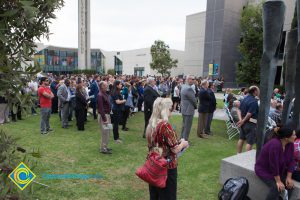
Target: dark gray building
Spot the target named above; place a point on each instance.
(222, 37)
(223, 34)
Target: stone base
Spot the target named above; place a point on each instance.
(243, 165)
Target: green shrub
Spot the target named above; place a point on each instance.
(111, 72)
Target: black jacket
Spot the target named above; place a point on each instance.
(204, 101)
(81, 102)
(213, 101)
(150, 96)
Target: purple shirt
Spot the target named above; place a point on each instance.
(273, 161)
(103, 105)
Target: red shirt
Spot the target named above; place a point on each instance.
(166, 139)
(44, 101)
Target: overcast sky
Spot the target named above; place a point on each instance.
(126, 24)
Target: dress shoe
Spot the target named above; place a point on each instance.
(118, 141)
(125, 129)
(105, 151)
(204, 136)
(49, 130)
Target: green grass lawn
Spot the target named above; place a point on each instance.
(69, 151)
(220, 103)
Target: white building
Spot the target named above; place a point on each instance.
(138, 61)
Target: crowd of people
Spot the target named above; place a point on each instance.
(278, 163)
(111, 100)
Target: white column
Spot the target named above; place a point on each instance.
(84, 52)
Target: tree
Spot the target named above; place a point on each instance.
(161, 58)
(111, 72)
(251, 46)
(21, 23)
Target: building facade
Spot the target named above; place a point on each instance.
(137, 62)
(222, 37)
(194, 44)
(65, 60)
(217, 36)
(132, 62)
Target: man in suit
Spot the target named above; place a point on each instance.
(211, 108)
(203, 109)
(64, 97)
(188, 105)
(150, 95)
(94, 92)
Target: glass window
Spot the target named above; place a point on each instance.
(63, 54)
(51, 52)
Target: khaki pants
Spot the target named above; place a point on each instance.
(104, 131)
(202, 119)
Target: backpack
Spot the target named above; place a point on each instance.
(234, 189)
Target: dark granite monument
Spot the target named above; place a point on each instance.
(290, 60)
(296, 110)
(273, 19)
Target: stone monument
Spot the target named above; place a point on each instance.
(290, 60)
(297, 78)
(84, 35)
(273, 19)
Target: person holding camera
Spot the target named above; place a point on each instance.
(161, 135)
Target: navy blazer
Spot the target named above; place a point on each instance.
(94, 90)
(204, 101)
(213, 102)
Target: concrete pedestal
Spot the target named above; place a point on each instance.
(243, 165)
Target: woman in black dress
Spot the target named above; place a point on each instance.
(117, 102)
(81, 104)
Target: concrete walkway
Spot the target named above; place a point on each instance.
(218, 114)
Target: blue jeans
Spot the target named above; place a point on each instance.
(45, 116)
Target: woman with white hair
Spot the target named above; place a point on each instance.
(161, 134)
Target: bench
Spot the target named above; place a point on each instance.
(243, 165)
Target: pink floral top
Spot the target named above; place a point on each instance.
(166, 139)
(297, 154)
